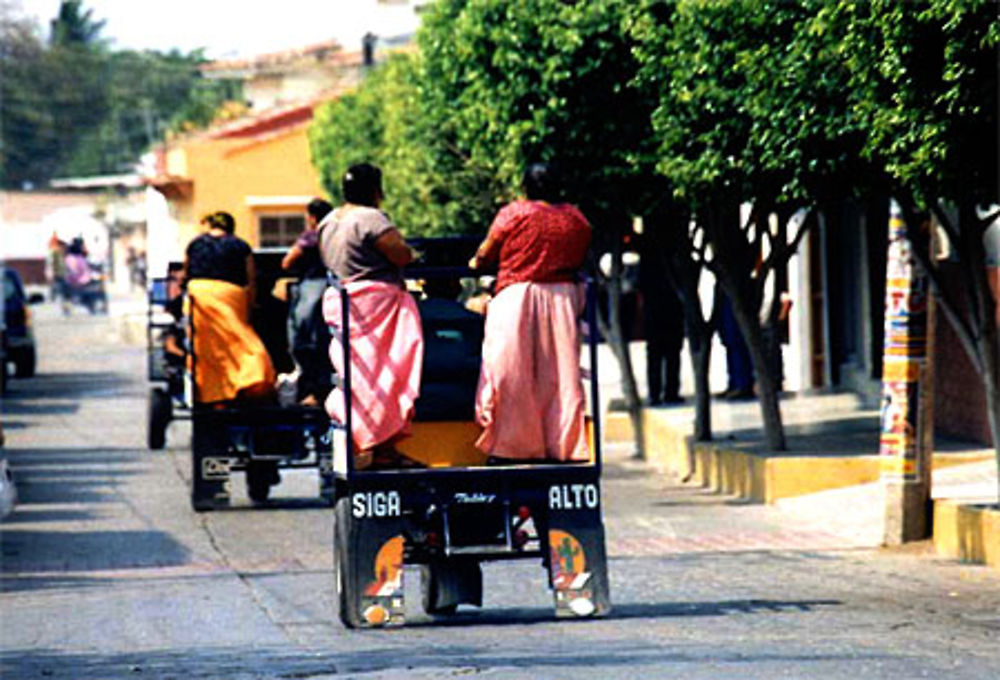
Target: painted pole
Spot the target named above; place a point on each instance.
(907, 433)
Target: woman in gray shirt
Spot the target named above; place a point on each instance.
(361, 246)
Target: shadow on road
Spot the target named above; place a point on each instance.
(625, 611)
(87, 475)
(67, 386)
(415, 657)
(32, 551)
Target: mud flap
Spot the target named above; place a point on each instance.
(210, 465)
(368, 562)
(577, 563)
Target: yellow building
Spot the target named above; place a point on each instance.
(259, 167)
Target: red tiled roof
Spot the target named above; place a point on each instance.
(266, 121)
(329, 51)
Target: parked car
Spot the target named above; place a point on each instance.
(18, 338)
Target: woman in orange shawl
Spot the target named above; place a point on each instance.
(230, 362)
(530, 400)
(363, 248)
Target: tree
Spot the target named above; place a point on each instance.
(382, 122)
(74, 107)
(751, 109)
(510, 83)
(25, 125)
(75, 27)
(924, 78)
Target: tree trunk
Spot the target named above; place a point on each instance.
(734, 276)
(987, 345)
(767, 384)
(700, 362)
(992, 398)
(699, 333)
(612, 331)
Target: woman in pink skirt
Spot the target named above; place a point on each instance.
(361, 246)
(530, 400)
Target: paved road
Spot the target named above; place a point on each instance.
(107, 572)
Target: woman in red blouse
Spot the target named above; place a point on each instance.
(530, 400)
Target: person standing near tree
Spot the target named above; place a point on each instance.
(663, 325)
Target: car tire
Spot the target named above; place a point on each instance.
(24, 363)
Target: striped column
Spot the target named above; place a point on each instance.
(906, 438)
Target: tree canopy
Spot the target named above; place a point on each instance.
(74, 106)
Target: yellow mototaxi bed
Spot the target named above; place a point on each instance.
(459, 511)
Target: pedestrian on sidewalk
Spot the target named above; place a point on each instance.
(663, 324)
(739, 365)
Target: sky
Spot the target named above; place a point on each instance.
(236, 28)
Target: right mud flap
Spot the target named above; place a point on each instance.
(577, 561)
(210, 465)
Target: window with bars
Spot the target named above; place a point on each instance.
(279, 231)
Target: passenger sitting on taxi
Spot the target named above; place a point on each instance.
(230, 361)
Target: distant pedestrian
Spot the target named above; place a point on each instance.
(663, 325)
(57, 270)
(739, 364)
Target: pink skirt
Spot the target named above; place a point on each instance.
(530, 400)
(387, 352)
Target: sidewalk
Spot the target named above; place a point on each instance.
(829, 474)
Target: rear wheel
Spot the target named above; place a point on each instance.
(160, 412)
(261, 476)
(447, 583)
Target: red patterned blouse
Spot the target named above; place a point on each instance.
(539, 242)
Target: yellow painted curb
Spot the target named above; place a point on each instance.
(754, 476)
(967, 532)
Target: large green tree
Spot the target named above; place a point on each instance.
(752, 109)
(924, 83)
(74, 106)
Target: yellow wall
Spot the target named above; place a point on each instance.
(225, 172)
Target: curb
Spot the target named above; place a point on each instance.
(967, 532)
(751, 475)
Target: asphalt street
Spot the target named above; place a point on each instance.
(108, 573)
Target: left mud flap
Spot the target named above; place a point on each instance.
(369, 547)
(578, 567)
